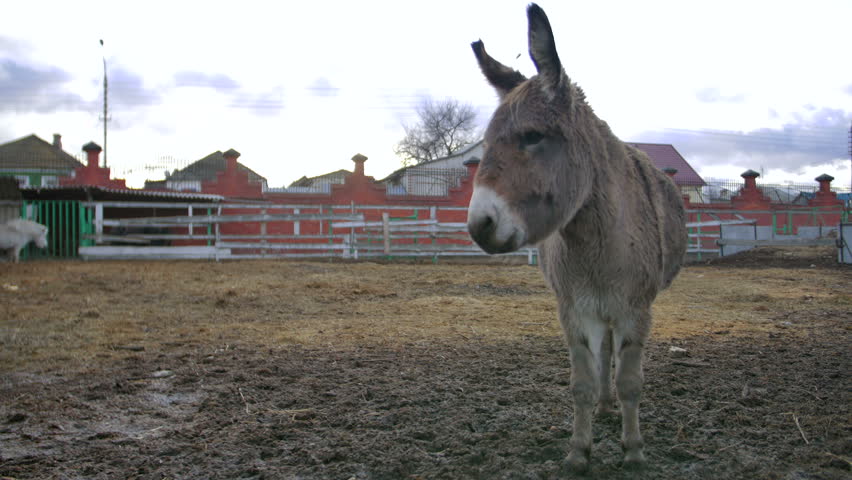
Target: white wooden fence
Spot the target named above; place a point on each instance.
(343, 232)
(342, 235)
(741, 234)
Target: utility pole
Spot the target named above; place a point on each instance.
(105, 118)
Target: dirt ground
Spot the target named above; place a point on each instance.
(315, 370)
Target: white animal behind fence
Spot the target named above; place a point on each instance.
(16, 234)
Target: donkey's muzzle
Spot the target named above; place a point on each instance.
(491, 224)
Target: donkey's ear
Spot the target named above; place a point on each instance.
(501, 77)
(543, 48)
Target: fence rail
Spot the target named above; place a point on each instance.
(110, 229)
(727, 232)
(289, 231)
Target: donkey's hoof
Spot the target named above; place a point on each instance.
(577, 461)
(634, 460)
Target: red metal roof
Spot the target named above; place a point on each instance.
(665, 155)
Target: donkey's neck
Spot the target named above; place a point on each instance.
(598, 215)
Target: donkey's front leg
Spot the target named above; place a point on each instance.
(628, 383)
(584, 343)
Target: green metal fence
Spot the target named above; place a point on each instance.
(67, 222)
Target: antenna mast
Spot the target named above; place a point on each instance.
(105, 118)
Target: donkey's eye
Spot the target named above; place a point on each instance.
(530, 139)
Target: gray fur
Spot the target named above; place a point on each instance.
(609, 226)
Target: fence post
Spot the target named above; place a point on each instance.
(209, 229)
(698, 236)
(263, 232)
(191, 226)
(99, 223)
(386, 231)
(352, 249)
(433, 215)
(66, 224)
(296, 224)
(217, 235)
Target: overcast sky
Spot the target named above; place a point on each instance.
(299, 88)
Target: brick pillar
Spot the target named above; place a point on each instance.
(93, 151)
(825, 197)
(359, 164)
(751, 197)
(231, 157)
(750, 177)
(472, 165)
(824, 183)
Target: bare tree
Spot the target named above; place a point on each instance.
(444, 127)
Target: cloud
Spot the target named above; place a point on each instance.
(262, 104)
(322, 87)
(12, 46)
(28, 89)
(217, 81)
(816, 138)
(714, 95)
(127, 88)
(848, 89)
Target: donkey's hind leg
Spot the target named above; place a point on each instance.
(629, 379)
(605, 401)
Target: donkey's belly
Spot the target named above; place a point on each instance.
(596, 283)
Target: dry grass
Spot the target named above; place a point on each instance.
(69, 315)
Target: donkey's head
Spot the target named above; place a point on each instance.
(40, 237)
(533, 176)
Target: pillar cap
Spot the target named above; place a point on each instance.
(750, 174)
(92, 147)
(824, 178)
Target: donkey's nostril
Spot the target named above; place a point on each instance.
(488, 225)
(484, 227)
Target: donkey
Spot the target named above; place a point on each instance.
(16, 234)
(608, 224)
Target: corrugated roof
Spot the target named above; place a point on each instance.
(396, 174)
(32, 152)
(86, 192)
(333, 177)
(664, 155)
